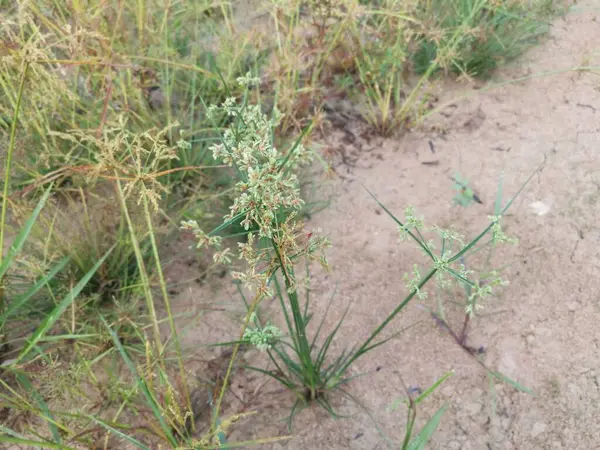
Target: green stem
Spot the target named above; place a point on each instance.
(304, 352)
(236, 347)
(142, 267)
(9, 157)
(365, 346)
(163, 288)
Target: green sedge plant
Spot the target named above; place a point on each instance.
(302, 363)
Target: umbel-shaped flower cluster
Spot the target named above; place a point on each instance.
(267, 186)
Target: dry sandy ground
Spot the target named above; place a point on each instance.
(542, 330)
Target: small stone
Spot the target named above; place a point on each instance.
(473, 408)
(537, 429)
(530, 339)
(540, 208)
(454, 445)
(572, 306)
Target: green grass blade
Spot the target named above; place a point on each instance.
(498, 202)
(286, 314)
(45, 411)
(119, 433)
(363, 348)
(420, 441)
(35, 444)
(472, 244)
(433, 387)
(282, 380)
(19, 241)
(228, 223)
(512, 382)
(540, 167)
(297, 143)
(9, 157)
(399, 223)
(18, 303)
(142, 383)
(60, 308)
(318, 332)
(323, 352)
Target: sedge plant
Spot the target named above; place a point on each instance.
(302, 363)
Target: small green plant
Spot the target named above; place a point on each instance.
(487, 277)
(465, 195)
(414, 397)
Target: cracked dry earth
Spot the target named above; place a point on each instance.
(541, 330)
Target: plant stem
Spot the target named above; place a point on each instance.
(365, 346)
(9, 157)
(304, 349)
(255, 301)
(163, 288)
(142, 267)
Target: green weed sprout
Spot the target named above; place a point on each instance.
(465, 195)
(414, 397)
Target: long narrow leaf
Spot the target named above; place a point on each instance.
(61, 307)
(226, 224)
(510, 381)
(498, 202)
(142, 382)
(323, 352)
(45, 411)
(510, 202)
(19, 241)
(17, 304)
(432, 388)
(421, 243)
(362, 350)
(119, 433)
(9, 157)
(35, 444)
(318, 332)
(295, 146)
(427, 431)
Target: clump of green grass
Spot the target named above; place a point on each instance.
(473, 37)
(393, 42)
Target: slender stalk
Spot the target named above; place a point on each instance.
(9, 157)
(163, 288)
(299, 323)
(365, 346)
(145, 282)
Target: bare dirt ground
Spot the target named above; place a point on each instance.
(541, 330)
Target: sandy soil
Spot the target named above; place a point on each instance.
(542, 330)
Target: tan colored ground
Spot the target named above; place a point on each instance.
(542, 330)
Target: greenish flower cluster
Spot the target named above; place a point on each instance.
(263, 338)
(265, 186)
(411, 222)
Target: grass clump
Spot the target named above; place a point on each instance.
(473, 37)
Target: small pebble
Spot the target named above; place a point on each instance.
(537, 429)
